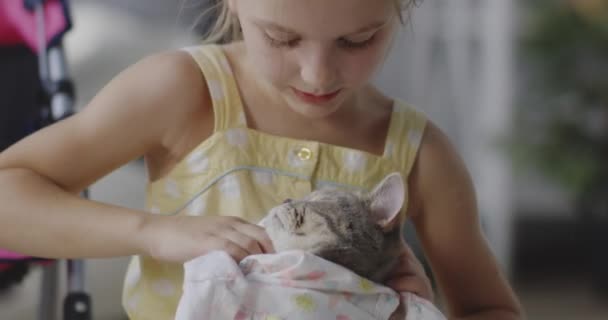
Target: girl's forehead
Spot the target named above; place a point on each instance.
(339, 17)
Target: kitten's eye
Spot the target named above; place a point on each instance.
(287, 201)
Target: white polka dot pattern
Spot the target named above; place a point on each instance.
(414, 137)
(133, 273)
(164, 288)
(172, 188)
(215, 89)
(226, 66)
(354, 161)
(262, 178)
(294, 160)
(242, 120)
(133, 302)
(197, 207)
(325, 186)
(389, 148)
(237, 137)
(198, 162)
(230, 187)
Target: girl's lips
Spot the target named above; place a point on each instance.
(315, 99)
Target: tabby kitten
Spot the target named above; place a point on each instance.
(358, 231)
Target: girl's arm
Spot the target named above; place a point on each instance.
(447, 223)
(136, 114)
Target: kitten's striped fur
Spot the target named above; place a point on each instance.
(358, 231)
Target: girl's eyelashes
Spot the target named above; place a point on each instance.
(290, 43)
(349, 44)
(342, 42)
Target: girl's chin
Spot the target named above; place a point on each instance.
(313, 111)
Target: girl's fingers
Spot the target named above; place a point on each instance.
(408, 264)
(244, 241)
(410, 275)
(233, 249)
(413, 284)
(408, 255)
(411, 265)
(258, 233)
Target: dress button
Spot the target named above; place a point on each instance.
(304, 154)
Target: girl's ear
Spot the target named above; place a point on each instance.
(387, 199)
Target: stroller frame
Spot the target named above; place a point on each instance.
(59, 93)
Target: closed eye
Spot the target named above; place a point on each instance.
(349, 44)
(341, 42)
(280, 43)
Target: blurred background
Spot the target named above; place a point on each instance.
(519, 86)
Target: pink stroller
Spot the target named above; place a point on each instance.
(31, 53)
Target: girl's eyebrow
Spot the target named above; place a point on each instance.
(268, 24)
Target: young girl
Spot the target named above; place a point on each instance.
(230, 131)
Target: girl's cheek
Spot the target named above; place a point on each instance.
(360, 66)
(271, 63)
(274, 67)
(359, 69)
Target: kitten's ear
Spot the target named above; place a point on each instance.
(387, 199)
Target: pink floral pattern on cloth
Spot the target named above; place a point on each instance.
(288, 285)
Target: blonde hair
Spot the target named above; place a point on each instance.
(226, 27)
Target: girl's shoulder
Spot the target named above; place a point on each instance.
(438, 166)
(170, 93)
(171, 75)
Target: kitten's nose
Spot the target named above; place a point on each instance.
(287, 200)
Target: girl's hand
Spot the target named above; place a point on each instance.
(182, 238)
(409, 275)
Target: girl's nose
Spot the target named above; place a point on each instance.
(318, 71)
